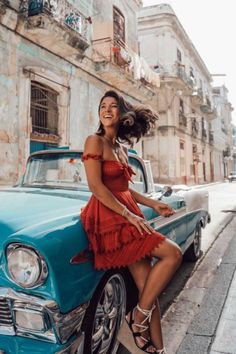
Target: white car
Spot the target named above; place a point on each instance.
(232, 176)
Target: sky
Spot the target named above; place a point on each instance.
(211, 26)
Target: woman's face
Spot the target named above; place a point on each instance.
(109, 112)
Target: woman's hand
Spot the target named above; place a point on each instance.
(163, 209)
(141, 224)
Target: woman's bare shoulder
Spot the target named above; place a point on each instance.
(94, 140)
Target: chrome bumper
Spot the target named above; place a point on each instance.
(76, 347)
(56, 327)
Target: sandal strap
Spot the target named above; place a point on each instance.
(141, 327)
(161, 351)
(146, 313)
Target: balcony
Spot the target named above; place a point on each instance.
(106, 50)
(122, 67)
(207, 108)
(57, 25)
(197, 96)
(181, 73)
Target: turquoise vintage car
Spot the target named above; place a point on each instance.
(52, 300)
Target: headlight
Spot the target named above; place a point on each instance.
(26, 267)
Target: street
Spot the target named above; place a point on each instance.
(179, 300)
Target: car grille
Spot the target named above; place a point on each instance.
(5, 313)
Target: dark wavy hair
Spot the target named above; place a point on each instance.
(135, 121)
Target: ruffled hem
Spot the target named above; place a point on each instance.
(129, 254)
(122, 234)
(114, 241)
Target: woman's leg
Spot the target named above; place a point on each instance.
(140, 271)
(152, 280)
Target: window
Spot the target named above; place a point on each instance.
(44, 110)
(191, 72)
(181, 106)
(139, 179)
(118, 26)
(181, 145)
(194, 149)
(179, 55)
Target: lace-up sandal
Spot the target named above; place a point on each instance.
(142, 328)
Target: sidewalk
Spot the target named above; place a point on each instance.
(213, 328)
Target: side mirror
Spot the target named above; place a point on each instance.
(166, 192)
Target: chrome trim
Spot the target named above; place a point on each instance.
(59, 327)
(76, 347)
(43, 269)
(162, 220)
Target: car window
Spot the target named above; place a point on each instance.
(139, 179)
(56, 170)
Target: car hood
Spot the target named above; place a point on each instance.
(49, 221)
(23, 208)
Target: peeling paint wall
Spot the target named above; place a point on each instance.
(24, 60)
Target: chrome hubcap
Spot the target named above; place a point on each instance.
(109, 314)
(197, 241)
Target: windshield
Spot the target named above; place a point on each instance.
(56, 170)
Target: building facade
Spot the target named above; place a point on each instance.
(57, 59)
(223, 134)
(184, 141)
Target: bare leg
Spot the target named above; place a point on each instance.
(151, 281)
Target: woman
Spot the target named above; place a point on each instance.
(119, 235)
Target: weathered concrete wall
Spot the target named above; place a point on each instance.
(78, 86)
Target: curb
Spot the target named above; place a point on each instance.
(202, 329)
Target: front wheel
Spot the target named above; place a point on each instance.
(104, 315)
(193, 253)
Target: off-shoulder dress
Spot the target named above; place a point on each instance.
(114, 241)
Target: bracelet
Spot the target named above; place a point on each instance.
(124, 211)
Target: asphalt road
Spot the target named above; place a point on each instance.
(222, 197)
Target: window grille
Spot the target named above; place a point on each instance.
(44, 110)
(118, 26)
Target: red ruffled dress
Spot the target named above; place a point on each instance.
(114, 241)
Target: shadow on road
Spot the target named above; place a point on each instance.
(176, 284)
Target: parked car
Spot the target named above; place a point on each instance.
(52, 300)
(232, 176)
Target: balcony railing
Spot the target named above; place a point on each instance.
(197, 96)
(42, 14)
(106, 50)
(206, 107)
(181, 73)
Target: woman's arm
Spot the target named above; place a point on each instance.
(159, 207)
(141, 199)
